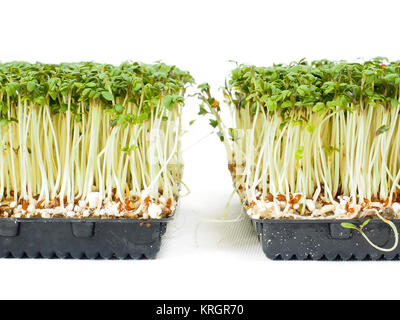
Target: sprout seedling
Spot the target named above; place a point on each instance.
(348, 225)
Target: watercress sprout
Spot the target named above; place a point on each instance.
(73, 131)
(312, 140)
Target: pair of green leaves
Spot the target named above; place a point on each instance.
(129, 149)
(299, 153)
(330, 150)
(171, 101)
(107, 95)
(382, 129)
(5, 121)
(348, 225)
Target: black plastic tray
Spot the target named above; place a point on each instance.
(324, 240)
(81, 239)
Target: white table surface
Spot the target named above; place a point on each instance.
(200, 257)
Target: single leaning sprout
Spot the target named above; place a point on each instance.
(348, 225)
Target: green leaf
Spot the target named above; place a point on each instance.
(330, 149)
(369, 72)
(232, 134)
(3, 122)
(310, 127)
(348, 225)
(31, 86)
(168, 101)
(107, 95)
(286, 104)
(63, 108)
(3, 107)
(143, 117)
(204, 86)
(191, 122)
(303, 90)
(203, 110)
(137, 87)
(296, 123)
(40, 100)
(129, 149)
(331, 105)
(271, 105)
(171, 101)
(318, 107)
(382, 129)
(299, 153)
(365, 223)
(53, 95)
(119, 108)
(11, 88)
(213, 123)
(86, 91)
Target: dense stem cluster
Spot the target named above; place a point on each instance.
(315, 140)
(88, 139)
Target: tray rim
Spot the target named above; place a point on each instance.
(85, 220)
(324, 221)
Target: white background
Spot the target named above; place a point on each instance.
(200, 258)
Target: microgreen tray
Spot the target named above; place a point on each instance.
(81, 239)
(324, 240)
